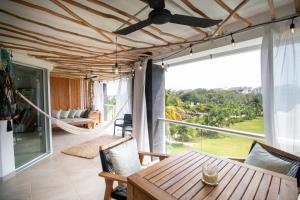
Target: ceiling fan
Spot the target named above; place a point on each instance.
(160, 15)
(89, 77)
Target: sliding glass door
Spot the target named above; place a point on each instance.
(30, 128)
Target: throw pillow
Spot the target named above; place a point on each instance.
(83, 113)
(72, 113)
(78, 113)
(260, 157)
(125, 158)
(64, 114)
(56, 114)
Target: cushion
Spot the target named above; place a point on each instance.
(78, 113)
(260, 157)
(64, 114)
(84, 113)
(125, 158)
(120, 193)
(72, 113)
(56, 114)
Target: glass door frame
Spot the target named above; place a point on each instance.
(46, 108)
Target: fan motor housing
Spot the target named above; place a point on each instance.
(160, 16)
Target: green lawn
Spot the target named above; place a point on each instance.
(222, 144)
(253, 126)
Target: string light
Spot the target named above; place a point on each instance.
(162, 63)
(191, 50)
(232, 40)
(292, 26)
(116, 70)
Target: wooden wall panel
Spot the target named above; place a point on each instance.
(65, 93)
(74, 94)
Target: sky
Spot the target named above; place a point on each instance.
(112, 88)
(223, 72)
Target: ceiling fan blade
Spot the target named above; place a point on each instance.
(157, 4)
(193, 21)
(134, 27)
(93, 77)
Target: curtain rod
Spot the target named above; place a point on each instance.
(201, 41)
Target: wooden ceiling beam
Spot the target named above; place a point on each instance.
(229, 10)
(64, 69)
(62, 41)
(103, 63)
(193, 8)
(12, 45)
(49, 11)
(109, 16)
(103, 4)
(59, 29)
(272, 9)
(48, 44)
(199, 30)
(297, 5)
(221, 25)
(70, 12)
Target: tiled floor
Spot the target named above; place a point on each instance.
(58, 177)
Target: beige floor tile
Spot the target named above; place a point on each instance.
(59, 176)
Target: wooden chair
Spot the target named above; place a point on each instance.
(108, 171)
(278, 153)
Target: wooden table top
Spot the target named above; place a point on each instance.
(179, 177)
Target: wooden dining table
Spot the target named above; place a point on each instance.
(179, 177)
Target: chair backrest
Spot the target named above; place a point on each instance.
(128, 119)
(281, 154)
(276, 151)
(104, 153)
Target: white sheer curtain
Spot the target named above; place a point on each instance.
(139, 115)
(98, 101)
(124, 97)
(280, 65)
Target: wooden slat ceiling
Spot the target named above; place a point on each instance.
(77, 35)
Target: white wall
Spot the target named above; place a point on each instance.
(7, 159)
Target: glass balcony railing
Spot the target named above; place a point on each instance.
(109, 112)
(182, 136)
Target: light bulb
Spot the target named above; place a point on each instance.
(116, 70)
(232, 40)
(232, 43)
(191, 49)
(140, 67)
(292, 27)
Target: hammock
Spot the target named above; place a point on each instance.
(70, 128)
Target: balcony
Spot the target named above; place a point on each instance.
(213, 140)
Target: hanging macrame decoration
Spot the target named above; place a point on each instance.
(7, 90)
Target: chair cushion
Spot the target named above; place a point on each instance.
(125, 158)
(260, 157)
(120, 193)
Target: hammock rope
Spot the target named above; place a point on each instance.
(70, 128)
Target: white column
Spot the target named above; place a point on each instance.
(7, 156)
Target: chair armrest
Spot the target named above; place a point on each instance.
(113, 177)
(159, 155)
